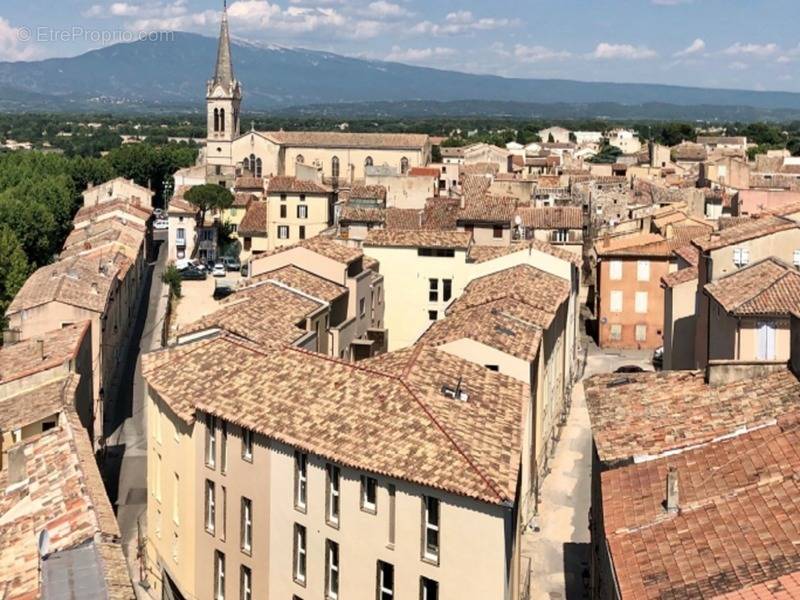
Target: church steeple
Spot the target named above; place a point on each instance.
(223, 71)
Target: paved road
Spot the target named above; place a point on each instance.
(125, 465)
(559, 551)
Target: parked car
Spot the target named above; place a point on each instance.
(222, 289)
(160, 224)
(219, 269)
(193, 274)
(232, 264)
(185, 263)
(630, 369)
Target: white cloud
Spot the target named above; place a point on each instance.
(399, 54)
(695, 47)
(382, 10)
(15, 43)
(605, 50)
(463, 21)
(534, 54)
(139, 11)
(738, 66)
(754, 50)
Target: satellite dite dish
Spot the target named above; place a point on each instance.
(43, 544)
(518, 220)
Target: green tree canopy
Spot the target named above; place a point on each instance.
(209, 197)
(14, 268)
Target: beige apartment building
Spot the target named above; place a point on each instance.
(296, 210)
(257, 495)
(119, 188)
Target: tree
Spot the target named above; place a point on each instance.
(209, 197)
(172, 277)
(14, 268)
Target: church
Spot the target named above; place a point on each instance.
(341, 157)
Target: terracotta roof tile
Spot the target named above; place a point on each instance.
(367, 192)
(459, 240)
(29, 356)
(249, 183)
(785, 587)
(479, 254)
(404, 218)
(179, 206)
(254, 222)
(325, 139)
(768, 287)
(36, 403)
(386, 415)
(324, 246)
(361, 214)
(424, 172)
(306, 282)
(243, 199)
(680, 276)
(293, 185)
(552, 217)
(86, 213)
(650, 413)
(488, 209)
(748, 230)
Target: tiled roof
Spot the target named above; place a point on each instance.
(749, 230)
(552, 217)
(361, 214)
(490, 325)
(243, 199)
(687, 151)
(306, 282)
(479, 254)
(324, 246)
(522, 283)
(63, 493)
(785, 587)
(418, 238)
(403, 218)
(367, 192)
(480, 168)
(254, 222)
(474, 187)
(440, 213)
(179, 206)
(643, 244)
(36, 403)
(768, 287)
(650, 413)
(386, 415)
(82, 281)
(452, 151)
(293, 185)
(488, 209)
(424, 172)
(249, 183)
(681, 276)
(738, 523)
(689, 253)
(95, 211)
(400, 141)
(264, 313)
(127, 236)
(26, 357)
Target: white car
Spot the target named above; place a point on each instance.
(219, 269)
(160, 224)
(185, 263)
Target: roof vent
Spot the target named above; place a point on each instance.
(504, 330)
(455, 393)
(672, 499)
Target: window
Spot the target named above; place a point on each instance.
(433, 315)
(796, 258)
(641, 333)
(615, 332)
(335, 166)
(223, 450)
(300, 480)
(369, 494)
(224, 512)
(447, 289)
(302, 211)
(362, 306)
(247, 525)
(641, 303)
(302, 232)
(211, 506)
(283, 232)
(216, 119)
(180, 236)
(331, 570)
(616, 301)
(392, 510)
(430, 531)
(766, 341)
(300, 159)
(283, 211)
(245, 584)
(258, 167)
(219, 575)
(333, 476)
(222, 120)
(246, 164)
(385, 581)
(299, 555)
(615, 270)
(211, 441)
(302, 197)
(176, 487)
(368, 161)
(428, 589)
(403, 165)
(643, 270)
(247, 444)
(433, 290)
(560, 236)
(741, 256)
(283, 197)
(497, 231)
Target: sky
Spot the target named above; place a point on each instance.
(746, 44)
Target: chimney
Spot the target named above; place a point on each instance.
(95, 289)
(17, 471)
(40, 348)
(672, 501)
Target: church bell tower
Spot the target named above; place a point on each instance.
(223, 101)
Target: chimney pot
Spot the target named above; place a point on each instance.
(672, 491)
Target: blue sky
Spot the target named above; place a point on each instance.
(750, 44)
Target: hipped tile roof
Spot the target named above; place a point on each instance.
(748, 230)
(479, 254)
(459, 240)
(325, 139)
(293, 185)
(552, 217)
(254, 222)
(768, 287)
(30, 356)
(306, 282)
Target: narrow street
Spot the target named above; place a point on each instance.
(125, 465)
(559, 551)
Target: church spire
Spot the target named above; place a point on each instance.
(223, 71)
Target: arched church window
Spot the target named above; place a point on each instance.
(216, 119)
(246, 164)
(258, 167)
(252, 168)
(335, 166)
(368, 162)
(222, 120)
(403, 165)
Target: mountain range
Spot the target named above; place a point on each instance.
(169, 74)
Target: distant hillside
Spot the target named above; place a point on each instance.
(171, 75)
